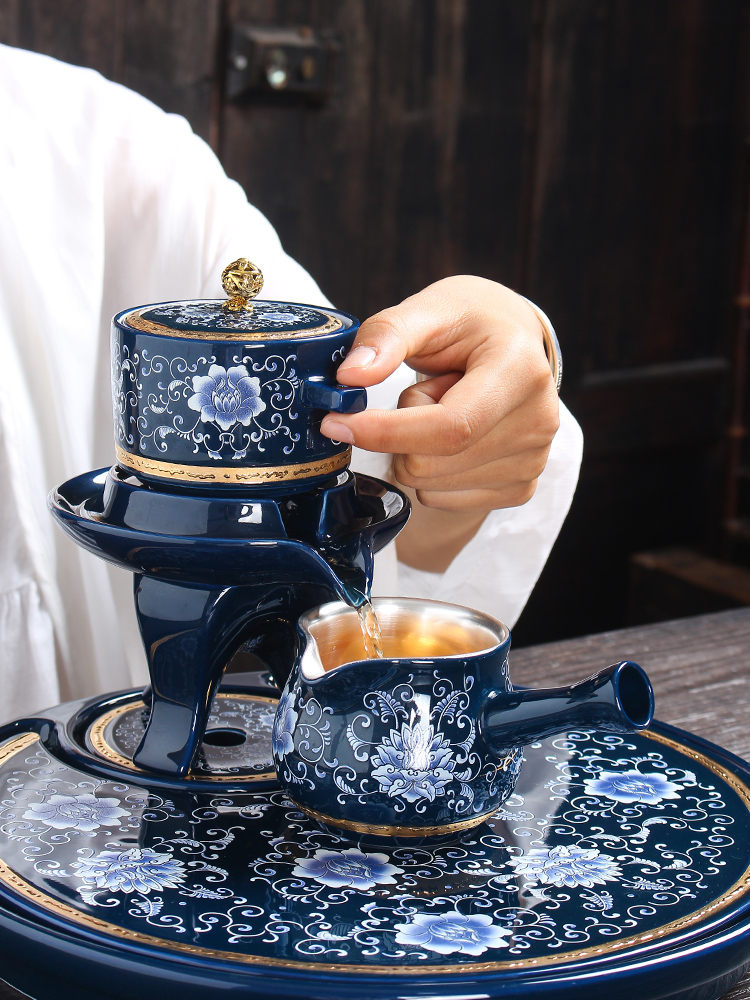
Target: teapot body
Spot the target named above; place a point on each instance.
(392, 747)
(210, 398)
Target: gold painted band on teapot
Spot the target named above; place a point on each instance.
(376, 830)
(243, 475)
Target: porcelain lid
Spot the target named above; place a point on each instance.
(240, 317)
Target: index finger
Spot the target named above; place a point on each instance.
(462, 416)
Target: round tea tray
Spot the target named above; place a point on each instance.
(621, 863)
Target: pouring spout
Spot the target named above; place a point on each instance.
(618, 699)
(350, 578)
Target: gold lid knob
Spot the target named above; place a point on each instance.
(242, 281)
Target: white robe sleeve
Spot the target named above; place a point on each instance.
(106, 202)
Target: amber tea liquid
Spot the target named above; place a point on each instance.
(396, 632)
(368, 622)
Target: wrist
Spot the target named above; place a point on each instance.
(432, 538)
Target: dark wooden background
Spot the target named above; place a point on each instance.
(587, 152)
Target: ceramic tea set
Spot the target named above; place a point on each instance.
(237, 516)
(329, 822)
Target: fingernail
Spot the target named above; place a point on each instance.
(336, 430)
(360, 357)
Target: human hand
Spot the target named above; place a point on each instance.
(475, 435)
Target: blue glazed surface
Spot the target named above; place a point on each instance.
(196, 399)
(394, 743)
(428, 744)
(269, 320)
(586, 867)
(247, 721)
(100, 736)
(317, 392)
(49, 963)
(237, 538)
(585, 861)
(216, 570)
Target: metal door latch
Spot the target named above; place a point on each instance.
(293, 61)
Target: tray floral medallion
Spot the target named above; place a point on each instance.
(609, 844)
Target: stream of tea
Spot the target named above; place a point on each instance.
(370, 626)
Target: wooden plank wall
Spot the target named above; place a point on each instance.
(420, 128)
(587, 152)
(634, 233)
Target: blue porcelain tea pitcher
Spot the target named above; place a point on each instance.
(427, 740)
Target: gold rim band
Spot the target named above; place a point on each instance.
(98, 743)
(396, 831)
(244, 475)
(136, 321)
(647, 938)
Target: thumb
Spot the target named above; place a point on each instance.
(380, 346)
(402, 333)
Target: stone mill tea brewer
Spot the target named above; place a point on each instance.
(428, 739)
(232, 510)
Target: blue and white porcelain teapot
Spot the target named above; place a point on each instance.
(231, 393)
(428, 739)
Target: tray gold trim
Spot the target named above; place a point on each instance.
(244, 475)
(14, 746)
(136, 321)
(33, 894)
(98, 743)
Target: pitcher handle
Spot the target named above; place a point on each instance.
(618, 699)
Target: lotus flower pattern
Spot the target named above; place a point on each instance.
(133, 870)
(282, 735)
(76, 812)
(569, 866)
(350, 868)
(415, 763)
(633, 786)
(226, 396)
(448, 933)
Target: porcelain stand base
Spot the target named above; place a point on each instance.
(215, 570)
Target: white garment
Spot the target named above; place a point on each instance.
(107, 202)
